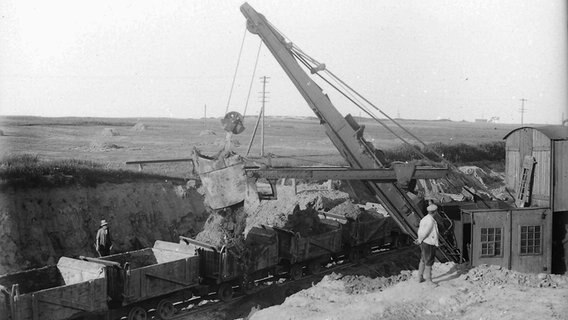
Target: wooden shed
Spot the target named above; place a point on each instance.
(536, 169)
(548, 148)
(518, 238)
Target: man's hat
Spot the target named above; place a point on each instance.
(432, 208)
(103, 223)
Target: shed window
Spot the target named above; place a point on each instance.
(491, 242)
(531, 240)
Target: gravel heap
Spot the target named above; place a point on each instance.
(498, 276)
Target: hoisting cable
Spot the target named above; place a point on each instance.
(252, 79)
(448, 163)
(357, 104)
(236, 69)
(300, 55)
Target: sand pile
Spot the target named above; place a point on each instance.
(346, 209)
(402, 297)
(306, 204)
(103, 146)
(224, 227)
(299, 213)
(497, 275)
(139, 127)
(110, 132)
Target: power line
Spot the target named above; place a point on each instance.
(522, 110)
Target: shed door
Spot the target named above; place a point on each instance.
(531, 236)
(491, 238)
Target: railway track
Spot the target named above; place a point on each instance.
(192, 308)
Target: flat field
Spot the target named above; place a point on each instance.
(299, 141)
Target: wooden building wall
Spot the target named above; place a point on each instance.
(529, 142)
(541, 151)
(512, 241)
(560, 176)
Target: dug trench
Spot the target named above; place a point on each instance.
(40, 225)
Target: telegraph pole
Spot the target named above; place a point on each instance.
(264, 80)
(205, 117)
(522, 110)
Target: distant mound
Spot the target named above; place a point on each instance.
(1, 133)
(207, 133)
(103, 146)
(110, 132)
(139, 127)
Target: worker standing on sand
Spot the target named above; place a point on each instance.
(428, 241)
(103, 242)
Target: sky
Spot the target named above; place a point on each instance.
(414, 59)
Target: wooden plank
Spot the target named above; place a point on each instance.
(513, 166)
(541, 177)
(523, 192)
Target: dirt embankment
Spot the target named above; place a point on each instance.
(483, 292)
(37, 226)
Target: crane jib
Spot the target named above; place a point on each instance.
(343, 133)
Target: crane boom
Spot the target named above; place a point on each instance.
(344, 132)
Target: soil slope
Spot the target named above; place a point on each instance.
(37, 226)
(484, 292)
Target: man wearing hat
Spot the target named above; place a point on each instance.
(103, 242)
(428, 241)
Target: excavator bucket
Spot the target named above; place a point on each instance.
(223, 177)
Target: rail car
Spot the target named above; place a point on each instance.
(125, 284)
(131, 283)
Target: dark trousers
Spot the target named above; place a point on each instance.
(103, 252)
(428, 254)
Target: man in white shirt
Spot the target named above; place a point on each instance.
(428, 241)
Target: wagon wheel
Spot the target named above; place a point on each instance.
(225, 292)
(354, 255)
(246, 284)
(137, 313)
(165, 309)
(296, 272)
(314, 267)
